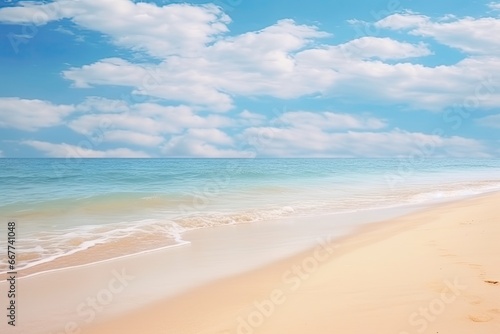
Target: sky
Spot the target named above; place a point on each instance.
(250, 78)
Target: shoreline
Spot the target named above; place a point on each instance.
(168, 272)
(94, 255)
(271, 300)
(158, 284)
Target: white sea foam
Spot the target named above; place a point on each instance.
(44, 247)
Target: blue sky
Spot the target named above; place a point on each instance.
(241, 78)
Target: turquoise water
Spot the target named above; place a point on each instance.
(64, 206)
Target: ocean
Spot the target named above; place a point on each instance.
(65, 207)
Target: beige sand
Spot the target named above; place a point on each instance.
(436, 271)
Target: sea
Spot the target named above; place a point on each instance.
(67, 207)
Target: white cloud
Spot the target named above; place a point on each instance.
(177, 132)
(102, 105)
(1, 154)
(382, 48)
(471, 35)
(187, 147)
(169, 80)
(143, 124)
(491, 121)
(203, 142)
(254, 63)
(212, 136)
(403, 21)
(494, 5)
(329, 120)
(158, 30)
(64, 150)
(190, 144)
(280, 61)
(200, 66)
(246, 114)
(413, 86)
(150, 118)
(33, 13)
(247, 118)
(302, 142)
(31, 115)
(131, 137)
(208, 69)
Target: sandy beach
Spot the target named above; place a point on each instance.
(435, 271)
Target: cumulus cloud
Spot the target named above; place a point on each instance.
(102, 105)
(112, 121)
(329, 134)
(175, 79)
(177, 132)
(282, 61)
(270, 62)
(187, 147)
(470, 35)
(33, 13)
(406, 20)
(254, 63)
(382, 48)
(302, 142)
(213, 136)
(132, 137)
(329, 120)
(64, 150)
(203, 142)
(31, 115)
(413, 86)
(204, 66)
(143, 124)
(252, 140)
(148, 118)
(157, 30)
(192, 60)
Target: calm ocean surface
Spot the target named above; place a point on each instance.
(63, 207)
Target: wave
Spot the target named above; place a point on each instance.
(169, 217)
(454, 191)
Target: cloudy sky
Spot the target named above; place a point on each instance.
(249, 78)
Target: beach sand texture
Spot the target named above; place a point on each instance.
(431, 271)
(435, 271)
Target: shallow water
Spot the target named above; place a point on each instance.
(120, 206)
